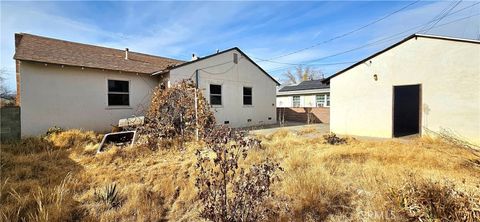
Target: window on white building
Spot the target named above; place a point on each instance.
(296, 101)
(215, 94)
(118, 93)
(247, 95)
(322, 100)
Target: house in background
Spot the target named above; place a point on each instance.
(311, 96)
(239, 91)
(423, 83)
(74, 85)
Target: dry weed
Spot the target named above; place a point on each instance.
(55, 179)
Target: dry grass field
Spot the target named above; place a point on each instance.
(61, 178)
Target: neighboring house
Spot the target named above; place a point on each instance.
(240, 92)
(419, 84)
(294, 99)
(74, 85)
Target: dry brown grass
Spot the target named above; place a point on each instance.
(55, 179)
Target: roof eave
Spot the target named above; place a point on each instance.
(89, 67)
(327, 80)
(224, 51)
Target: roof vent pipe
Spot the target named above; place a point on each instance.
(194, 57)
(126, 53)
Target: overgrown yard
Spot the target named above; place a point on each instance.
(61, 178)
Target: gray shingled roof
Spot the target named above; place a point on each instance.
(305, 85)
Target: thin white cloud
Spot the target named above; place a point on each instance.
(177, 29)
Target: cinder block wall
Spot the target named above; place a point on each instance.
(318, 114)
(10, 123)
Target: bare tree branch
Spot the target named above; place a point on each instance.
(302, 74)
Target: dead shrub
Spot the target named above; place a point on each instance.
(27, 146)
(307, 130)
(54, 130)
(230, 192)
(172, 116)
(40, 204)
(427, 200)
(452, 138)
(73, 138)
(333, 139)
(314, 194)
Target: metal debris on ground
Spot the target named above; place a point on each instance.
(120, 139)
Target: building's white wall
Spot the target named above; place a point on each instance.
(70, 97)
(305, 100)
(233, 77)
(284, 101)
(449, 72)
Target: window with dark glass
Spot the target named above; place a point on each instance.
(247, 96)
(118, 93)
(215, 94)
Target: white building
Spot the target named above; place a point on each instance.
(306, 102)
(240, 92)
(74, 85)
(420, 84)
(310, 93)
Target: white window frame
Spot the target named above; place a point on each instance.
(322, 103)
(119, 93)
(325, 102)
(299, 101)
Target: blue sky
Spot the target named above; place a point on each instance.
(261, 29)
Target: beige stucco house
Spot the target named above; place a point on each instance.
(239, 91)
(423, 83)
(74, 85)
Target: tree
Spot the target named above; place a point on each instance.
(302, 73)
(5, 92)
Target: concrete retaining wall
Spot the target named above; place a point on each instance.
(10, 123)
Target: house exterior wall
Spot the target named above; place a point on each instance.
(307, 98)
(449, 74)
(71, 97)
(220, 69)
(284, 101)
(287, 101)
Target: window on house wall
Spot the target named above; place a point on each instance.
(247, 95)
(215, 94)
(320, 100)
(118, 93)
(296, 101)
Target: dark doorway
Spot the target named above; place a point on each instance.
(406, 110)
